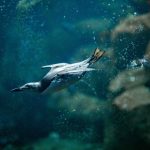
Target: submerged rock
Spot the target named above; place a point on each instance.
(133, 98)
(128, 129)
(132, 25)
(80, 105)
(128, 124)
(148, 50)
(80, 115)
(130, 39)
(129, 79)
(83, 105)
(140, 120)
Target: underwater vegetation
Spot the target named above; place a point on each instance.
(109, 108)
(26, 4)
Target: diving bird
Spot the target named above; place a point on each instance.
(62, 75)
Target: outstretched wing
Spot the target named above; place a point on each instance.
(54, 65)
(45, 84)
(78, 71)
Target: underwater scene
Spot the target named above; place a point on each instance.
(75, 75)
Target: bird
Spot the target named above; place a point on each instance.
(62, 75)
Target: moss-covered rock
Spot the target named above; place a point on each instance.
(80, 115)
(126, 37)
(129, 79)
(25, 5)
(128, 124)
(133, 98)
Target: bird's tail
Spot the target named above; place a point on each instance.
(96, 55)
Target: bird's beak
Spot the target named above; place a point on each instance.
(16, 90)
(19, 89)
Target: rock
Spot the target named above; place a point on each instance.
(147, 54)
(129, 79)
(128, 125)
(130, 38)
(80, 116)
(83, 105)
(133, 98)
(128, 129)
(79, 104)
(140, 122)
(132, 25)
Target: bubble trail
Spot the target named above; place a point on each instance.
(89, 86)
(140, 63)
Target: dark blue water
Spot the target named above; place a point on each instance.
(41, 32)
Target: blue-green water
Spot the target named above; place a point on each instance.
(109, 108)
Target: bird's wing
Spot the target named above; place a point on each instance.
(78, 71)
(45, 84)
(54, 65)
